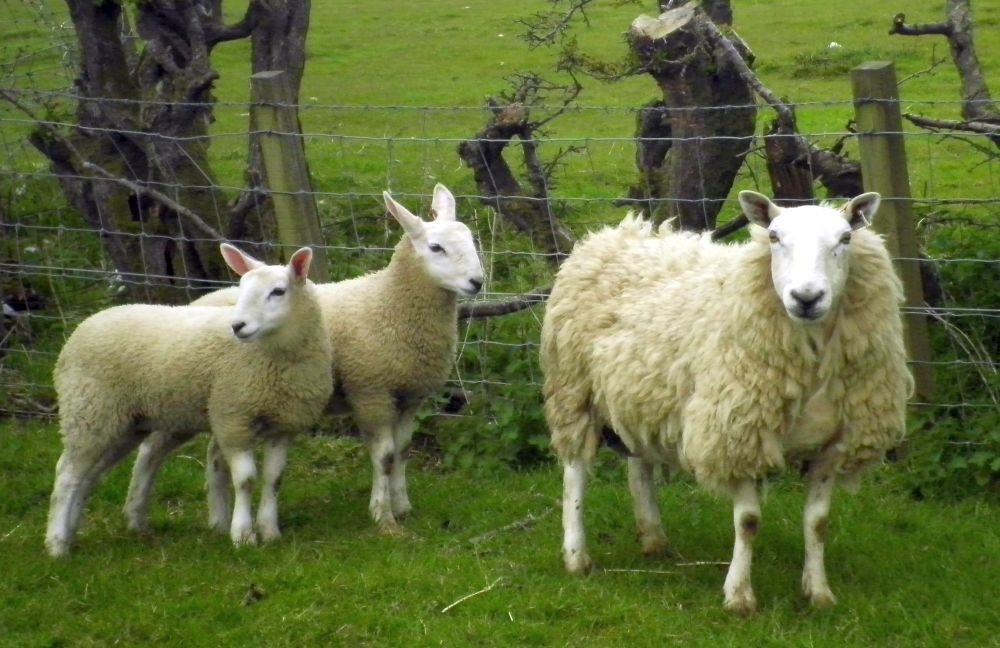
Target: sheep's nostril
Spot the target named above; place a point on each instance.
(807, 298)
(237, 327)
(476, 284)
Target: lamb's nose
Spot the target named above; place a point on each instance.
(237, 327)
(808, 298)
(476, 284)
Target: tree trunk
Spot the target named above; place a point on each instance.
(708, 112)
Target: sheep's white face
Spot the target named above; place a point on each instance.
(266, 291)
(445, 245)
(809, 250)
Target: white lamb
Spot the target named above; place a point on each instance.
(256, 372)
(730, 361)
(395, 333)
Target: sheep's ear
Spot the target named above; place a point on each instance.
(298, 265)
(239, 261)
(758, 208)
(861, 210)
(443, 203)
(412, 224)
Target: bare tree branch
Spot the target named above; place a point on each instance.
(480, 310)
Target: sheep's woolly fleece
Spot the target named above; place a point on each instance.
(681, 345)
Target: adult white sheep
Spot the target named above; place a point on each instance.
(395, 333)
(256, 372)
(730, 361)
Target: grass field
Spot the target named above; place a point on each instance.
(388, 91)
(906, 573)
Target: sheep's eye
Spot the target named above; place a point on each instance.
(437, 249)
(774, 237)
(277, 292)
(846, 238)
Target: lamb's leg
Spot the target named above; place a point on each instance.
(153, 451)
(574, 548)
(814, 522)
(76, 473)
(380, 447)
(275, 458)
(652, 539)
(402, 435)
(219, 484)
(244, 472)
(746, 518)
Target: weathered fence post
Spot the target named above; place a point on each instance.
(286, 169)
(883, 166)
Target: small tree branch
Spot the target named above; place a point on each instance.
(468, 596)
(900, 27)
(981, 127)
(480, 310)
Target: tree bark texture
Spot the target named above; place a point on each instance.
(707, 115)
(144, 106)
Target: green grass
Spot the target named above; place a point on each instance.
(907, 573)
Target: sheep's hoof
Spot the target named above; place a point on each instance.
(402, 510)
(654, 545)
(821, 599)
(57, 547)
(245, 539)
(577, 562)
(743, 604)
(269, 535)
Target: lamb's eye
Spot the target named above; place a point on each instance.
(846, 238)
(774, 237)
(437, 249)
(277, 292)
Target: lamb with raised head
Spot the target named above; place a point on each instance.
(395, 332)
(729, 361)
(257, 372)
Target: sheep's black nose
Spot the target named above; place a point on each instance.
(476, 284)
(237, 327)
(807, 298)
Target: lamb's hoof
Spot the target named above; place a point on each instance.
(57, 547)
(654, 545)
(578, 562)
(402, 510)
(743, 603)
(269, 535)
(394, 530)
(821, 599)
(244, 539)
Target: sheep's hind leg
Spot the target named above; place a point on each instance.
(219, 483)
(815, 521)
(153, 451)
(76, 474)
(275, 458)
(574, 549)
(652, 539)
(746, 518)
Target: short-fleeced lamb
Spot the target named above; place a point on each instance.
(729, 361)
(395, 333)
(256, 372)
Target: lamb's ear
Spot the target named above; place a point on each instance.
(443, 203)
(758, 208)
(298, 265)
(239, 261)
(861, 210)
(412, 225)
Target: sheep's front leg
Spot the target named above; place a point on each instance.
(815, 522)
(153, 451)
(652, 539)
(244, 472)
(402, 435)
(574, 548)
(746, 518)
(383, 458)
(218, 482)
(275, 458)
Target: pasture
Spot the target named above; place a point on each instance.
(389, 90)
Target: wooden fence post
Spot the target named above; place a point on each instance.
(883, 166)
(286, 169)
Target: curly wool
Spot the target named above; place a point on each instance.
(180, 369)
(683, 348)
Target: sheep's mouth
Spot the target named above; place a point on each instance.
(243, 336)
